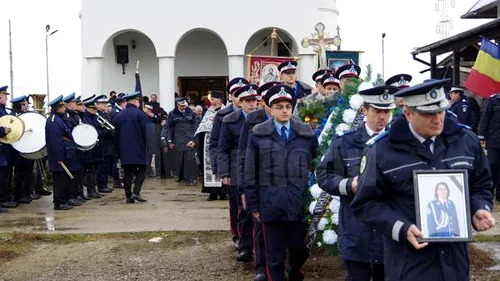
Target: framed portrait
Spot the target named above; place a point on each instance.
(336, 63)
(442, 205)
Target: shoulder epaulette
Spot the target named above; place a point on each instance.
(345, 133)
(376, 138)
(451, 113)
(53, 117)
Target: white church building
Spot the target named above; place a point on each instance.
(191, 45)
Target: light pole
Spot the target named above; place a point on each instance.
(383, 57)
(47, 34)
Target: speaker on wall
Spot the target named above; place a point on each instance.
(122, 54)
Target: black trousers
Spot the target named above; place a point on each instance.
(361, 271)
(23, 177)
(280, 236)
(103, 171)
(494, 161)
(259, 247)
(38, 180)
(5, 179)
(186, 164)
(233, 212)
(139, 171)
(116, 171)
(245, 226)
(90, 177)
(77, 188)
(168, 163)
(63, 184)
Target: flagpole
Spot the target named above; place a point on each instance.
(10, 58)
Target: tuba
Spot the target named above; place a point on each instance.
(38, 103)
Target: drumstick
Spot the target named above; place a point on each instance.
(67, 170)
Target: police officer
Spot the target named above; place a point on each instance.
(489, 132)
(360, 246)
(399, 81)
(5, 159)
(288, 76)
(232, 87)
(23, 167)
(107, 146)
(252, 119)
(385, 200)
(182, 126)
(461, 106)
(278, 160)
(346, 73)
(130, 141)
(227, 168)
(61, 154)
(118, 106)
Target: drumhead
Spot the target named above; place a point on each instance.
(33, 138)
(85, 135)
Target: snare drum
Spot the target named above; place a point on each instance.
(85, 136)
(32, 143)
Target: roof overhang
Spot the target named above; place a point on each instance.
(483, 9)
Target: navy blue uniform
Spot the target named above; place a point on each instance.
(466, 113)
(72, 119)
(276, 180)
(360, 245)
(115, 171)
(489, 129)
(5, 164)
(107, 153)
(442, 220)
(130, 142)
(214, 136)
(302, 90)
(61, 147)
(385, 197)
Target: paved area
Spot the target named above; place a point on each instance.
(170, 206)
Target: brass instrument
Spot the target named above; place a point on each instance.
(38, 103)
(104, 123)
(16, 126)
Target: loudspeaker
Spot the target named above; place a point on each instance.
(122, 54)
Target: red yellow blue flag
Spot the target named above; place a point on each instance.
(484, 79)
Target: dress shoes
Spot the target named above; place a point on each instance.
(245, 256)
(105, 190)
(43, 192)
(9, 204)
(261, 277)
(138, 198)
(63, 207)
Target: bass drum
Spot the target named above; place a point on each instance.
(32, 143)
(85, 136)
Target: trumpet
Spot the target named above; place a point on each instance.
(104, 123)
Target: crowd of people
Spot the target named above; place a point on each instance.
(249, 146)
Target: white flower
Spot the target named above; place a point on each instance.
(349, 115)
(319, 244)
(322, 224)
(341, 128)
(316, 191)
(335, 219)
(312, 206)
(335, 204)
(330, 237)
(356, 101)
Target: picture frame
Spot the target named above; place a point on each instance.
(442, 205)
(334, 64)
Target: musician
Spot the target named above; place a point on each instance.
(232, 87)
(93, 157)
(360, 246)
(278, 161)
(5, 159)
(61, 154)
(107, 146)
(118, 106)
(130, 142)
(23, 167)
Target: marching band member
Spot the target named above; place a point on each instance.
(61, 154)
(107, 147)
(5, 159)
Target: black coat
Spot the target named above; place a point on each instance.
(489, 127)
(130, 131)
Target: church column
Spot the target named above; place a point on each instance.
(92, 76)
(236, 66)
(167, 82)
(307, 66)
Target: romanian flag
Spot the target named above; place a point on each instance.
(484, 79)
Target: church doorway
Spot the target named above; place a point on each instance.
(197, 89)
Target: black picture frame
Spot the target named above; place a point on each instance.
(443, 219)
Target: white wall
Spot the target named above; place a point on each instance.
(145, 53)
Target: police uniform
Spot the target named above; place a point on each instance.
(399, 81)
(301, 89)
(466, 113)
(130, 141)
(227, 167)
(232, 87)
(119, 104)
(277, 164)
(107, 150)
(489, 130)
(5, 163)
(23, 167)
(360, 246)
(385, 198)
(61, 150)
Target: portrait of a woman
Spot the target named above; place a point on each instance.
(442, 218)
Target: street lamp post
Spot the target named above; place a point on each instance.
(383, 56)
(47, 34)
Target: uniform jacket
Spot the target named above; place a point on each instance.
(214, 136)
(114, 111)
(357, 241)
(130, 136)
(182, 127)
(72, 119)
(302, 89)
(60, 144)
(108, 139)
(95, 154)
(466, 114)
(442, 220)
(489, 127)
(5, 149)
(385, 198)
(228, 146)
(276, 173)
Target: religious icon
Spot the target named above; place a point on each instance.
(442, 205)
(334, 64)
(269, 72)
